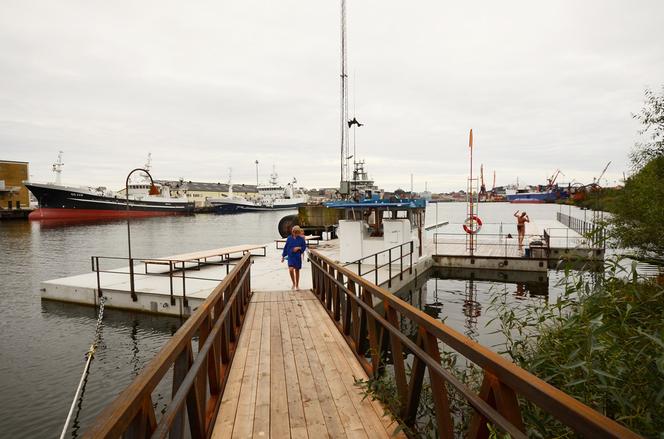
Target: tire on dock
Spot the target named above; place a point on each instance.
(286, 224)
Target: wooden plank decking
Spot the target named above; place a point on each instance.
(293, 376)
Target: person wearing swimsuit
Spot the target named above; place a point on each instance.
(521, 221)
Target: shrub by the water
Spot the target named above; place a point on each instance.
(604, 346)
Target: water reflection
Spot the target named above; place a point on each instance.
(461, 298)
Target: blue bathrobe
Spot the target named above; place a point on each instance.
(294, 258)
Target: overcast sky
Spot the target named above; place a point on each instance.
(209, 85)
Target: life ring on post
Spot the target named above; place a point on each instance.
(469, 227)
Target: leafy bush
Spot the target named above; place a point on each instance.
(604, 346)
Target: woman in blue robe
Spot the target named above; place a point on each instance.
(293, 251)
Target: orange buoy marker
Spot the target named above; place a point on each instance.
(472, 225)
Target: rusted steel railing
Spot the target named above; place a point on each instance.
(198, 379)
(375, 331)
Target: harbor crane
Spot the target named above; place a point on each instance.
(552, 180)
(602, 174)
(483, 192)
(492, 194)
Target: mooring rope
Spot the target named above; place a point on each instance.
(90, 354)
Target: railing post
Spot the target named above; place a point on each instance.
(134, 297)
(389, 268)
(99, 293)
(185, 302)
(376, 268)
(170, 279)
(337, 299)
(401, 259)
(180, 368)
(412, 249)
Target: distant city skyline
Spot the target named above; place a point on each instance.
(213, 85)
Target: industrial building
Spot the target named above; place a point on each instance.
(200, 192)
(13, 194)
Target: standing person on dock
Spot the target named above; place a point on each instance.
(521, 221)
(293, 251)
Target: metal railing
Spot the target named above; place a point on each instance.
(569, 241)
(377, 258)
(374, 333)
(198, 379)
(504, 245)
(594, 232)
(177, 269)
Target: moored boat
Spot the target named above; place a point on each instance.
(57, 201)
(272, 196)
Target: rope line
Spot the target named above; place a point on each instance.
(89, 355)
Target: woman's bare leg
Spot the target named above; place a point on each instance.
(297, 279)
(291, 271)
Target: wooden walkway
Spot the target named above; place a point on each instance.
(293, 376)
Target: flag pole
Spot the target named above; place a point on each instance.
(470, 194)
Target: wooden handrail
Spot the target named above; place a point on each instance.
(351, 302)
(199, 381)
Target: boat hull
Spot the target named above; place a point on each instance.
(527, 201)
(67, 203)
(73, 214)
(273, 208)
(537, 197)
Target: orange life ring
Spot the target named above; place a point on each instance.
(468, 225)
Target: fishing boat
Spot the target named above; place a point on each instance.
(271, 196)
(62, 202)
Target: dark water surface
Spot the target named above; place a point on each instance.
(43, 343)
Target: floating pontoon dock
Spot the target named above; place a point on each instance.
(177, 285)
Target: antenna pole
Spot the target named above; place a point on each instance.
(344, 97)
(256, 173)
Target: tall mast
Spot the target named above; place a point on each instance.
(344, 98)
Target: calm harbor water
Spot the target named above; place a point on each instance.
(43, 343)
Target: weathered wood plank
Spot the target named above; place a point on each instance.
(293, 376)
(225, 420)
(262, 409)
(316, 426)
(244, 418)
(332, 418)
(371, 412)
(335, 368)
(298, 424)
(279, 423)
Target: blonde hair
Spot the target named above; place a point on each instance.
(297, 230)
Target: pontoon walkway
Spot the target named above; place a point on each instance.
(293, 376)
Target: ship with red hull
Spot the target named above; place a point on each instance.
(64, 202)
(143, 199)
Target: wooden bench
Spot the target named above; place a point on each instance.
(223, 253)
(315, 240)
